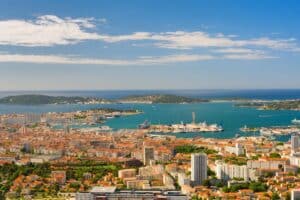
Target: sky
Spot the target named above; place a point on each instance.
(138, 44)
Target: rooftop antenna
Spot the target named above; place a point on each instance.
(193, 117)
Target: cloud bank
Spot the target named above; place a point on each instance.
(54, 59)
(146, 60)
(50, 30)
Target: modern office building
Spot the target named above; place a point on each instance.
(198, 168)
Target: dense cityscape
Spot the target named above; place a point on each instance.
(149, 100)
(39, 160)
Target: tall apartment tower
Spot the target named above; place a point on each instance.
(199, 168)
(295, 142)
(148, 155)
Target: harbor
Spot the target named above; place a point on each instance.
(222, 113)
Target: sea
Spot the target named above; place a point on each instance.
(224, 113)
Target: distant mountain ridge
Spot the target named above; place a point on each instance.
(34, 99)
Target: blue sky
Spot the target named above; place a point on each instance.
(57, 45)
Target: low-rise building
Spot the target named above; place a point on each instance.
(183, 179)
(127, 173)
(238, 149)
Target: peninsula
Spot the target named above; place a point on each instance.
(33, 99)
(272, 105)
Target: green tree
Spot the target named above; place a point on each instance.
(275, 196)
(275, 155)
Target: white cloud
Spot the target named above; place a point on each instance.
(253, 56)
(244, 54)
(46, 30)
(54, 59)
(176, 58)
(197, 39)
(142, 60)
(238, 50)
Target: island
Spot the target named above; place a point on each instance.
(272, 105)
(36, 99)
(161, 98)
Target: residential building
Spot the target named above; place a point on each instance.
(183, 179)
(148, 155)
(198, 168)
(127, 173)
(295, 194)
(227, 171)
(238, 149)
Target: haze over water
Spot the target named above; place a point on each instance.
(201, 93)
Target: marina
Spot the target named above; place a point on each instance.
(224, 114)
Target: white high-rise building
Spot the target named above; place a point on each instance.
(295, 142)
(198, 168)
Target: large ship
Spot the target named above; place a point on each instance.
(186, 128)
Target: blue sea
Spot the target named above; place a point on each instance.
(224, 113)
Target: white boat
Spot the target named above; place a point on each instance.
(296, 121)
(265, 132)
(105, 128)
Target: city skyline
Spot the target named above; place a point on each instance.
(141, 45)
